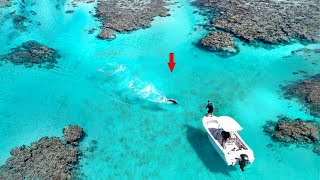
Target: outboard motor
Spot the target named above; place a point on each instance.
(243, 161)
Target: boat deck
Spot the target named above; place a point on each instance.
(231, 143)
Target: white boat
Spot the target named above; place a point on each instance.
(224, 137)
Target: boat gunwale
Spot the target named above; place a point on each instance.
(207, 120)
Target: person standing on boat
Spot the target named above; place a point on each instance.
(210, 109)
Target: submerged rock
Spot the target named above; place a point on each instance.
(124, 16)
(4, 3)
(296, 131)
(90, 1)
(69, 11)
(307, 92)
(106, 34)
(47, 158)
(91, 31)
(20, 22)
(306, 51)
(287, 130)
(267, 21)
(72, 134)
(217, 41)
(30, 53)
(316, 148)
(74, 2)
(30, 44)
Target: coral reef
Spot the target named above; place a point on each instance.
(31, 53)
(307, 92)
(5, 3)
(125, 16)
(305, 50)
(20, 22)
(47, 158)
(106, 34)
(72, 134)
(296, 131)
(69, 11)
(217, 41)
(268, 21)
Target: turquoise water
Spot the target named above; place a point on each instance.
(115, 91)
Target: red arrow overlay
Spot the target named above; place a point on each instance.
(171, 63)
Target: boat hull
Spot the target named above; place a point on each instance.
(215, 146)
(230, 157)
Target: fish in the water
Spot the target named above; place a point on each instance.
(171, 101)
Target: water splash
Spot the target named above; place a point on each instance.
(130, 85)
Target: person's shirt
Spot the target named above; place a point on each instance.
(210, 107)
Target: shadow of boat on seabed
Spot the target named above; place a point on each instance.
(208, 155)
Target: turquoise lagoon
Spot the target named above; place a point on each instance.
(115, 90)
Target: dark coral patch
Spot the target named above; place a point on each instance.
(31, 53)
(294, 131)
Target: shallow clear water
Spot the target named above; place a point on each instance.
(115, 91)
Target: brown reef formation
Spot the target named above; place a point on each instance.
(268, 21)
(220, 42)
(21, 17)
(309, 55)
(74, 3)
(72, 134)
(307, 92)
(32, 53)
(306, 51)
(126, 16)
(5, 3)
(297, 131)
(47, 158)
(20, 22)
(107, 34)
